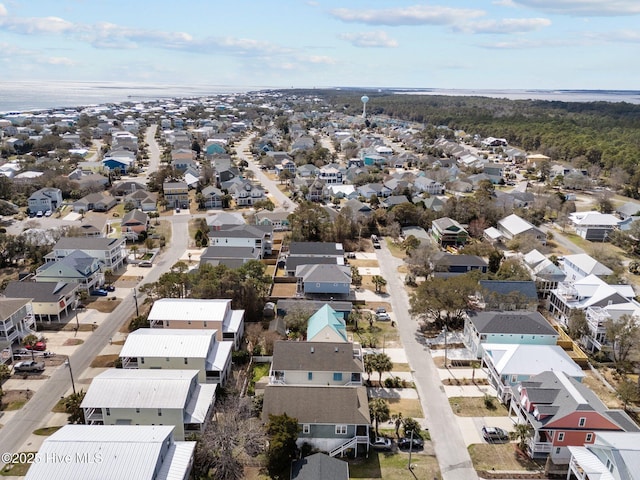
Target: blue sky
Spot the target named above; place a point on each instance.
(546, 44)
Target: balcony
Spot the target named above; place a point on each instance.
(567, 291)
(129, 362)
(597, 316)
(540, 448)
(93, 416)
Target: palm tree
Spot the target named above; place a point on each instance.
(29, 341)
(522, 432)
(108, 276)
(382, 363)
(369, 366)
(379, 411)
(379, 282)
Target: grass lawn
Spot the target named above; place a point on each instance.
(475, 407)
(401, 367)
(14, 399)
(46, 431)
(363, 263)
(393, 466)
(409, 407)
(260, 370)
(59, 407)
(396, 249)
(501, 456)
(103, 305)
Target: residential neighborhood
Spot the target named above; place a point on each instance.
(351, 287)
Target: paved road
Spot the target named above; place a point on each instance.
(241, 148)
(16, 431)
(450, 449)
(153, 151)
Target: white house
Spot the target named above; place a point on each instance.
(594, 226)
(255, 236)
(177, 349)
(612, 456)
(110, 252)
(514, 226)
(581, 265)
(120, 396)
(192, 313)
(116, 452)
(16, 320)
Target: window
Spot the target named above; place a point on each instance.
(310, 376)
(306, 428)
(337, 376)
(159, 412)
(341, 429)
(108, 411)
(142, 360)
(558, 451)
(589, 438)
(560, 436)
(186, 361)
(205, 325)
(137, 409)
(582, 422)
(514, 378)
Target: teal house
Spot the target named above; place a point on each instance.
(326, 325)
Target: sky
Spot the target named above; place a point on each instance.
(472, 44)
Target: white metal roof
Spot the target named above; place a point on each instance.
(218, 356)
(198, 407)
(112, 452)
(163, 342)
(493, 233)
(130, 388)
(515, 225)
(587, 264)
(590, 464)
(233, 322)
(515, 359)
(190, 309)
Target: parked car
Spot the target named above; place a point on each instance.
(380, 310)
(48, 213)
(29, 366)
(110, 288)
(383, 317)
(21, 352)
(39, 214)
(145, 264)
(38, 346)
(351, 254)
(177, 210)
(381, 443)
(495, 434)
(416, 444)
(100, 292)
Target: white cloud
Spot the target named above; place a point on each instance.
(3, 10)
(504, 26)
(58, 61)
(586, 8)
(504, 3)
(621, 36)
(413, 15)
(522, 43)
(369, 39)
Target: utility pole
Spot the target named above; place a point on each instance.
(68, 364)
(135, 299)
(444, 330)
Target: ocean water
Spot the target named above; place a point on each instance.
(26, 96)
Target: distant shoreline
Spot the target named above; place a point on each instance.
(23, 97)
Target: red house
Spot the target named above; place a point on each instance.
(563, 413)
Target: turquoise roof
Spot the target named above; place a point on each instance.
(326, 317)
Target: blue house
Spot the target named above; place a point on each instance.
(111, 163)
(215, 148)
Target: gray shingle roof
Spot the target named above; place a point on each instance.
(315, 356)
(319, 466)
(44, 292)
(526, 323)
(316, 248)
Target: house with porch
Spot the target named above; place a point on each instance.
(594, 226)
(125, 396)
(110, 252)
(581, 265)
(191, 313)
(78, 267)
(49, 300)
(254, 236)
(337, 364)
(518, 327)
(16, 320)
(98, 202)
(597, 318)
(514, 226)
(135, 221)
(612, 456)
(45, 199)
(510, 364)
(178, 349)
(331, 419)
(508, 295)
(544, 272)
(563, 413)
(213, 197)
(278, 220)
(445, 264)
(447, 232)
(176, 194)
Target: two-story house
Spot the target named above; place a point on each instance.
(135, 222)
(594, 226)
(330, 174)
(120, 396)
(326, 325)
(324, 279)
(110, 252)
(213, 197)
(246, 193)
(519, 327)
(78, 267)
(254, 236)
(445, 264)
(192, 313)
(448, 232)
(45, 199)
(598, 318)
(176, 194)
(316, 363)
(16, 320)
(514, 226)
(509, 364)
(581, 265)
(546, 274)
(177, 349)
(49, 300)
(562, 413)
(114, 452)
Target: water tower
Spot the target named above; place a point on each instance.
(364, 99)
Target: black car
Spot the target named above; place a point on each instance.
(406, 443)
(110, 288)
(495, 434)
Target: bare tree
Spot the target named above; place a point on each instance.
(230, 441)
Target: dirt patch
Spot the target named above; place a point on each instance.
(15, 399)
(503, 457)
(104, 361)
(71, 342)
(608, 397)
(105, 305)
(284, 290)
(364, 263)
